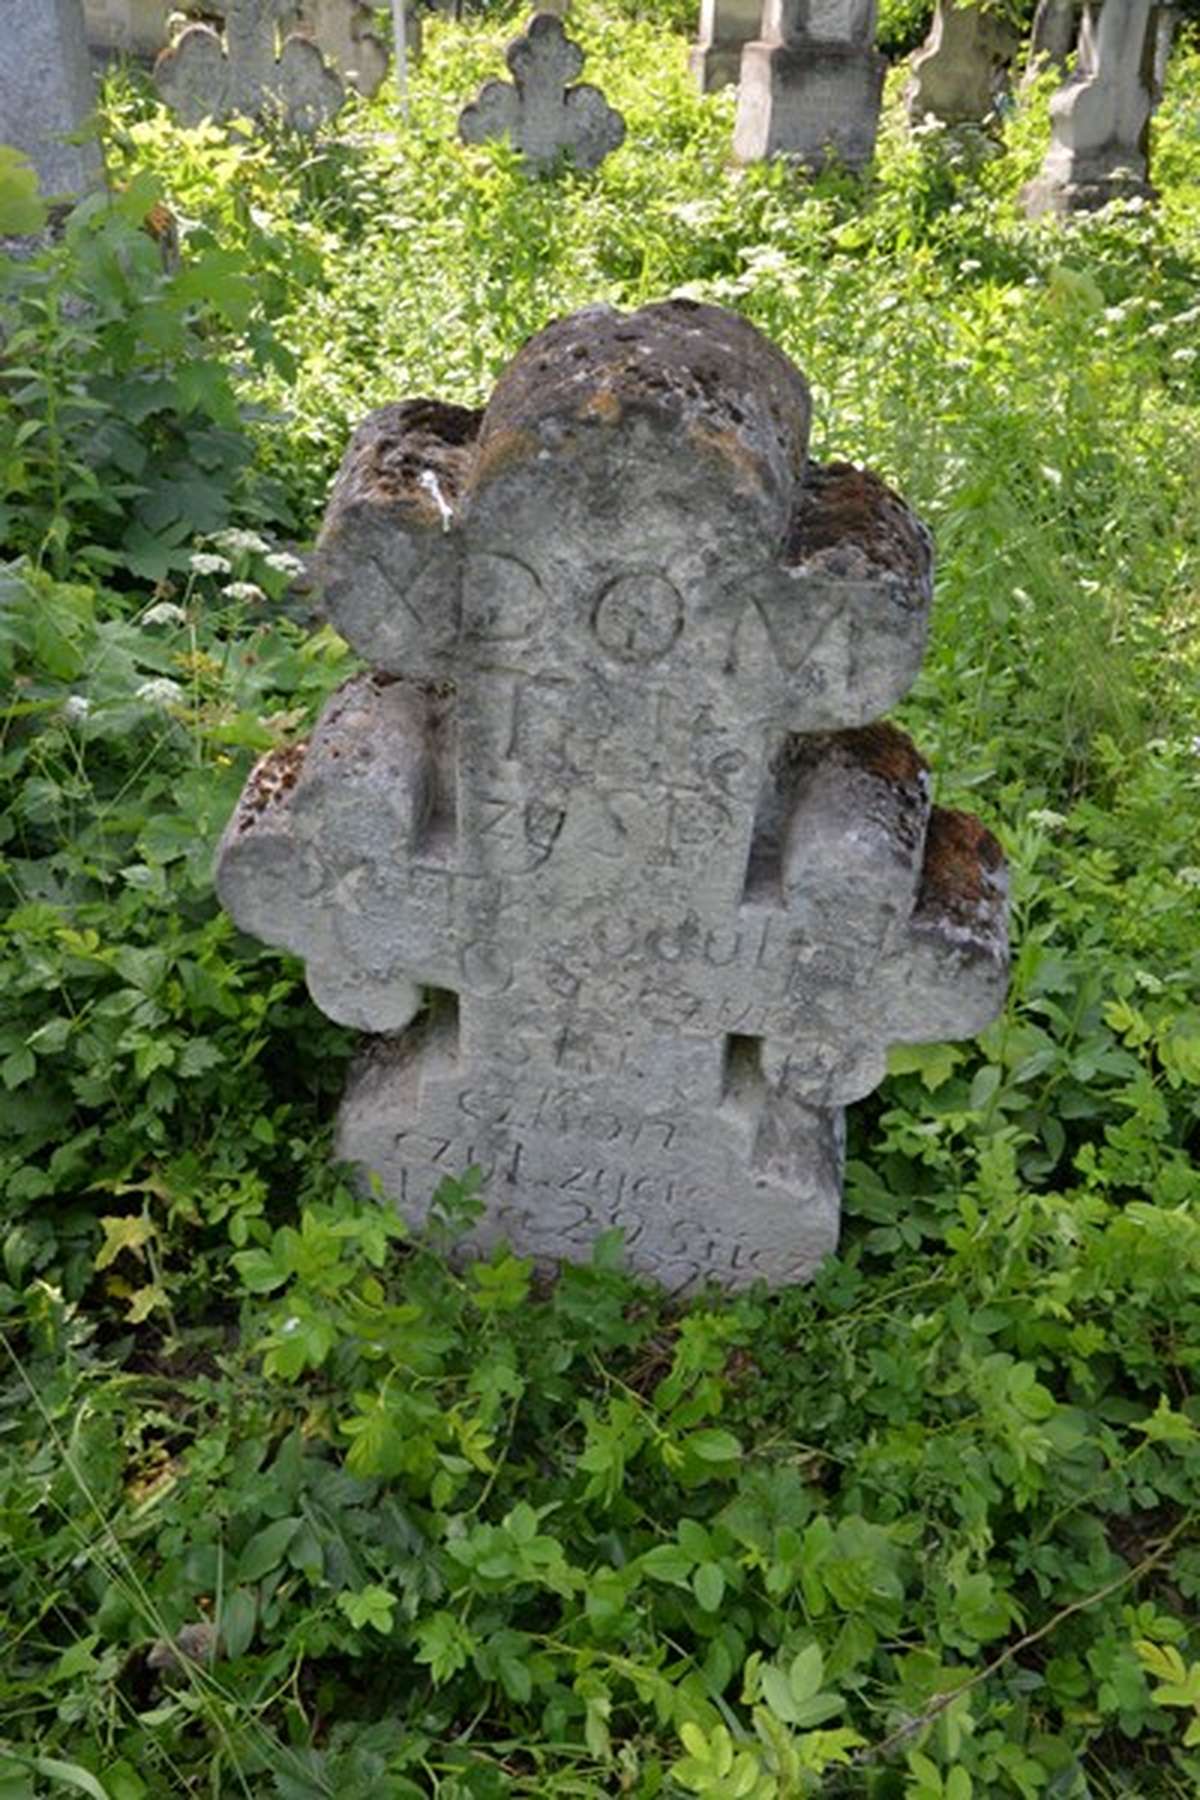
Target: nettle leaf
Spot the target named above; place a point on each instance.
(266, 1549)
(132, 1232)
(22, 212)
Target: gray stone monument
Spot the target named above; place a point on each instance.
(344, 32)
(613, 800)
(961, 71)
(811, 85)
(726, 27)
(46, 92)
(1100, 117)
(539, 111)
(128, 27)
(1055, 33)
(201, 78)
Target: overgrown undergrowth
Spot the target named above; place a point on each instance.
(287, 1506)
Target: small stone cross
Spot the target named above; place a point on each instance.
(613, 798)
(199, 78)
(539, 111)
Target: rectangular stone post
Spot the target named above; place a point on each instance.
(726, 27)
(46, 92)
(811, 86)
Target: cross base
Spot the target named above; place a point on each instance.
(746, 1190)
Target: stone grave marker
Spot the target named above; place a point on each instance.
(201, 78)
(541, 113)
(726, 27)
(961, 70)
(344, 32)
(1100, 117)
(128, 27)
(46, 92)
(811, 85)
(613, 798)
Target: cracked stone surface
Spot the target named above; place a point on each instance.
(46, 92)
(961, 70)
(1100, 117)
(609, 850)
(811, 84)
(539, 110)
(200, 77)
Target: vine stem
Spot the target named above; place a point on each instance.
(874, 1752)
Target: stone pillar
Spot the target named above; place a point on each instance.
(127, 27)
(811, 86)
(726, 27)
(609, 849)
(961, 70)
(1100, 117)
(46, 91)
(1054, 34)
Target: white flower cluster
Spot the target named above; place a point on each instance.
(164, 612)
(240, 543)
(207, 562)
(243, 590)
(160, 691)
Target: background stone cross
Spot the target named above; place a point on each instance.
(541, 113)
(612, 793)
(199, 78)
(1100, 117)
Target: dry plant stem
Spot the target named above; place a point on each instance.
(876, 1751)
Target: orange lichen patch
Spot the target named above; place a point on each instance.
(746, 468)
(271, 781)
(500, 451)
(963, 863)
(840, 507)
(601, 404)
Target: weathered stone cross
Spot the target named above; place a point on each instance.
(541, 113)
(613, 794)
(199, 78)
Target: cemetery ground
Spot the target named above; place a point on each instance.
(290, 1505)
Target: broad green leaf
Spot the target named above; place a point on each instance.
(266, 1549)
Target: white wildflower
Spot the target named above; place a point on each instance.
(243, 590)
(1046, 817)
(1190, 876)
(240, 543)
(164, 612)
(206, 562)
(75, 708)
(284, 563)
(160, 691)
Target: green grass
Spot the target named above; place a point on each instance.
(926, 1528)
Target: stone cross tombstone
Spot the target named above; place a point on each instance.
(614, 800)
(201, 78)
(46, 92)
(1100, 117)
(961, 70)
(726, 27)
(344, 32)
(811, 85)
(541, 113)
